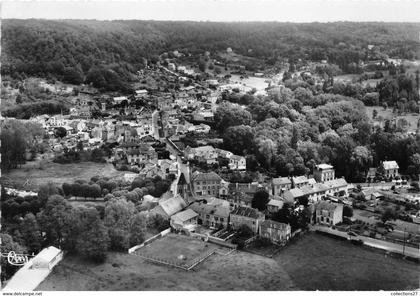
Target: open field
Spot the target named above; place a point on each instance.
(33, 174)
(311, 262)
(320, 262)
(171, 246)
(412, 118)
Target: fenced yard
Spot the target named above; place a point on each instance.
(179, 251)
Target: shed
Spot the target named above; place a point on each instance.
(47, 258)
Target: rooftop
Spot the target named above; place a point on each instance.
(247, 212)
(390, 165)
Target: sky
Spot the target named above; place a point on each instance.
(219, 10)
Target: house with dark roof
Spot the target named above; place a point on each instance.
(246, 216)
(275, 231)
(328, 213)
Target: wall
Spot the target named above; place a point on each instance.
(148, 241)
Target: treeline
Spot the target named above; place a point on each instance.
(18, 138)
(108, 53)
(33, 222)
(299, 126)
(28, 110)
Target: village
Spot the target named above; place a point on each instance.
(148, 135)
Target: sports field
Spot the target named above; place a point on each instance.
(313, 262)
(171, 247)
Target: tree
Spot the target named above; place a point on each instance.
(93, 243)
(31, 233)
(388, 214)
(238, 139)
(60, 132)
(118, 213)
(347, 211)
(138, 224)
(228, 115)
(55, 219)
(260, 200)
(374, 113)
(7, 245)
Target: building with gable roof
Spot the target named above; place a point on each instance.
(167, 208)
(206, 183)
(186, 219)
(389, 169)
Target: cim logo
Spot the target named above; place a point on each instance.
(16, 259)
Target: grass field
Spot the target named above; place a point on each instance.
(412, 118)
(311, 262)
(171, 246)
(317, 262)
(33, 174)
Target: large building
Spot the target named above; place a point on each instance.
(324, 172)
(389, 169)
(206, 183)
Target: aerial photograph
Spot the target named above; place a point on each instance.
(210, 145)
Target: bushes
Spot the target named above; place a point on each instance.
(82, 190)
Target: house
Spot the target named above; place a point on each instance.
(293, 194)
(186, 219)
(337, 187)
(213, 214)
(141, 93)
(168, 207)
(142, 154)
(274, 205)
(239, 199)
(205, 154)
(206, 183)
(389, 169)
(279, 185)
(324, 172)
(47, 258)
(237, 163)
(246, 216)
(275, 231)
(300, 181)
(119, 100)
(328, 213)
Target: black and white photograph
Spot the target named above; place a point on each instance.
(210, 146)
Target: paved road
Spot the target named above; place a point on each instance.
(380, 244)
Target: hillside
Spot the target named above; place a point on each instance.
(107, 53)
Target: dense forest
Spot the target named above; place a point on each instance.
(108, 53)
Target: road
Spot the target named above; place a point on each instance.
(380, 244)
